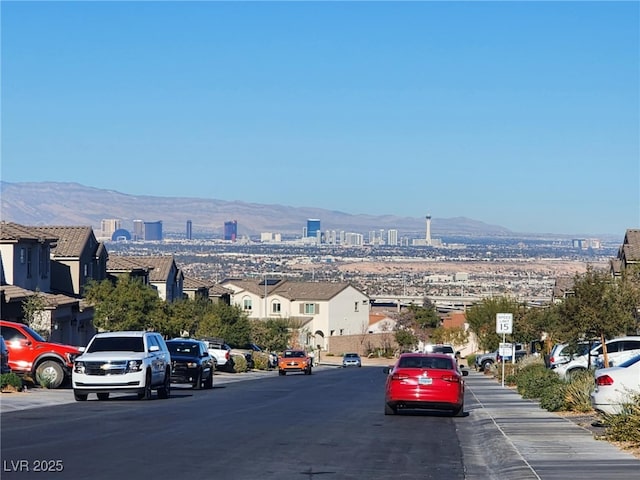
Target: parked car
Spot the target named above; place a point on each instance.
(617, 386)
(245, 350)
(485, 360)
(191, 363)
(4, 357)
(294, 361)
(565, 352)
(30, 354)
(618, 350)
(424, 381)
(123, 362)
(221, 352)
(351, 360)
(442, 348)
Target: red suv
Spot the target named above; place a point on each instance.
(31, 354)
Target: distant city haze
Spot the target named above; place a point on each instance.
(521, 116)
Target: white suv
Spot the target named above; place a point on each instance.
(123, 362)
(618, 351)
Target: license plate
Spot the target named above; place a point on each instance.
(425, 381)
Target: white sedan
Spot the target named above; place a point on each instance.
(616, 386)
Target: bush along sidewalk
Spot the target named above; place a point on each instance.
(534, 381)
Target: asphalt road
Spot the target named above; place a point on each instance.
(328, 425)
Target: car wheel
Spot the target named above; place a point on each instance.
(165, 390)
(80, 397)
(209, 383)
(146, 394)
(486, 366)
(197, 385)
(52, 372)
(281, 372)
(389, 409)
(103, 396)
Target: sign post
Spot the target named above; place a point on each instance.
(504, 325)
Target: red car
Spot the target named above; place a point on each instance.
(430, 381)
(30, 354)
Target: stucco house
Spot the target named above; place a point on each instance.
(76, 258)
(26, 273)
(322, 310)
(160, 271)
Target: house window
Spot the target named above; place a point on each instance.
(275, 307)
(309, 308)
(29, 266)
(43, 262)
(246, 304)
(356, 307)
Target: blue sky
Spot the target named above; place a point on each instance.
(520, 114)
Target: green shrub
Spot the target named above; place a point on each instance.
(10, 380)
(626, 426)
(534, 379)
(552, 398)
(260, 360)
(239, 363)
(578, 391)
(470, 360)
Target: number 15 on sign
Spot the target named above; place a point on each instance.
(504, 323)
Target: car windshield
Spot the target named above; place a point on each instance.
(351, 355)
(631, 361)
(190, 349)
(34, 334)
(116, 344)
(442, 349)
(425, 362)
(294, 354)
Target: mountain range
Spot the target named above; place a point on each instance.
(60, 203)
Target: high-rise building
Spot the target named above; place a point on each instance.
(109, 226)
(138, 230)
(189, 230)
(392, 237)
(153, 231)
(428, 238)
(313, 227)
(231, 230)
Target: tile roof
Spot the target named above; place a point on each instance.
(13, 293)
(631, 247)
(191, 283)
(71, 240)
(14, 232)
(292, 290)
(159, 266)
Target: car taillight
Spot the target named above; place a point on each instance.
(451, 378)
(604, 380)
(226, 355)
(552, 359)
(399, 376)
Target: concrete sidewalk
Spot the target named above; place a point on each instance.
(513, 438)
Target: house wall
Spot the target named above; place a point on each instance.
(348, 313)
(361, 344)
(17, 258)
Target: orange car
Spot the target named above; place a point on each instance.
(294, 361)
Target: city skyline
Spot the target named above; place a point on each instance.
(519, 114)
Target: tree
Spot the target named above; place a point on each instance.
(455, 336)
(33, 309)
(418, 321)
(225, 321)
(127, 305)
(482, 319)
(273, 334)
(600, 308)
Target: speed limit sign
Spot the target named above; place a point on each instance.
(504, 323)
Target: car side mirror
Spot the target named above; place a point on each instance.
(465, 373)
(386, 370)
